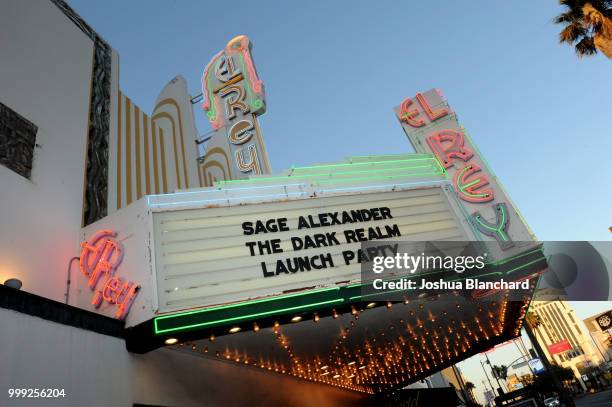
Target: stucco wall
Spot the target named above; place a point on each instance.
(45, 76)
(96, 370)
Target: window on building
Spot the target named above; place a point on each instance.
(17, 141)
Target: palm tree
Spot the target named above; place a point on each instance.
(588, 26)
(500, 372)
(533, 319)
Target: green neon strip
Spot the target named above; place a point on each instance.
(246, 317)
(334, 174)
(525, 265)
(380, 177)
(212, 112)
(339, 295)
(503, 234)
(497, 230)
(242, 304)
(297, 177)
(266, 179)
(376, 156)
(324, 174)
(428, 158)
(476, 150)
(440, 166)
(499, 184)
(361, 297)
(245, 74)
(462, 188)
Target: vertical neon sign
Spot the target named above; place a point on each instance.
(233, 97)
(433, 128)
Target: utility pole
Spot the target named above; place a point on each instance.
(500, 389)
(565, 398)
(461, 385)
(487, 376)
(525, 356)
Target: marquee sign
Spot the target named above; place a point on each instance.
(432, 127)
(100, 257)
(271, 235)
(233, 97)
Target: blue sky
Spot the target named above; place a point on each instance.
(334, 70)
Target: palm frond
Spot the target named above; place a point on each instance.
(565, 18)
(573, 5)
(572, 33)
(603, 6)
(586, 47)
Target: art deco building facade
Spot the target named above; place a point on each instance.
(138, 284)
(600, 329)
(558, 324)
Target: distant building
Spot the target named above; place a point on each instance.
(564, 340)
(445, 378)
(600, 330)
(516, 381)
(488, 396)
(456, 379)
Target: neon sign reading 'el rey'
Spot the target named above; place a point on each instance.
(100, 257)
(470, 180)
(449, 146)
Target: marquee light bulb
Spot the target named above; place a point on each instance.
(171, 341)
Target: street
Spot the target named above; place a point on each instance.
(602, 399)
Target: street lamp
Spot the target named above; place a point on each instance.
(500, 390)
(13, 283)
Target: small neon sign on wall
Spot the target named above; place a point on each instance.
(101, 255)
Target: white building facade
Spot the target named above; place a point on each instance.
(564, 338)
